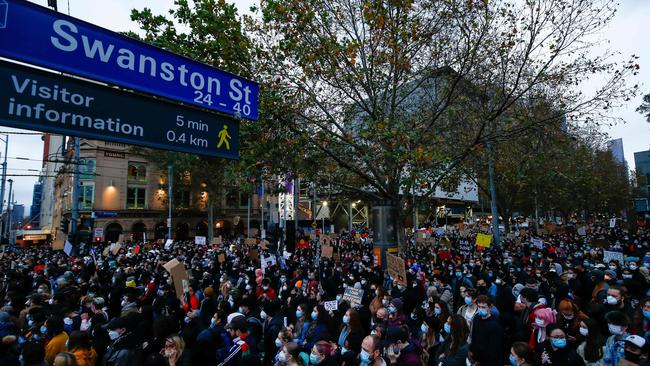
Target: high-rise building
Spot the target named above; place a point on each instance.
(642, 166)
(35, 209)
(17, 215)
(616, 147)
(52, 163)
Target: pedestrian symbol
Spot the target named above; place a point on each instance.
(224, 138)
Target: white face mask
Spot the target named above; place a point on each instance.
(615, 329)
(278, 342)
(611, 300)
(540, 322)
(263, 315)
(584, 331)
(282, 357)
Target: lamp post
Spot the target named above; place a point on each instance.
(8, 228)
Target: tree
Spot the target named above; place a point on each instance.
(397, 92)
(644, 108)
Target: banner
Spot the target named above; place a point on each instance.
(483, 240)
(331, 305)
(327, 251)
(199, 240)
(465, 248)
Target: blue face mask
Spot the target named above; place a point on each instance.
(468, 300)
(482, 313)
(646, 314)
(298, 314)
(558, 343)
(392, 309)
(313, 359)
(213, 323)
(512, 360)
(43, 329)
(447, 328)
(458, 274)
(437, 311)
(314, 315)
(365, 357)
(346, 319)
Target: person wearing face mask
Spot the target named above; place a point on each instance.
(175, 353)
(468, 310)
(318, 327)
(569, 318)
(454, 350)
(125, 346)
(642, 318)
(265, 291)
(301, 325)
(428, 337)
(290, 355)
(555, 351)
(272, 325)
(486, 334)
(129, 303)
(56, 337)
(208, 306)
(592, 349)
(371, 352)
(521, 355)
(213, 342)
(617, 325)
(544, 318)
(351, 336)
(376, 303)
(80, 346)
(400, 351)
(323, 353)
(396, 316)
(284, 337)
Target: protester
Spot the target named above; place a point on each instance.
(126, 308)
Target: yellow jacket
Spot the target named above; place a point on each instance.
(55, 346)
(85, 357)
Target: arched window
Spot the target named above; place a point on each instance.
(137, 171)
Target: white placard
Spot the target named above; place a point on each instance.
(168, 244)
(199, 240)
(612, 223)
(609, 256)
(67, 248)
(331, 305)
(538, 243)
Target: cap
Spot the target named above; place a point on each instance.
(116, 323)
(232, 316)
(635, 340)
(611, 274)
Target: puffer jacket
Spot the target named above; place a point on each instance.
(85, 357)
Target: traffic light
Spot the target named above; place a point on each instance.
(65, 223)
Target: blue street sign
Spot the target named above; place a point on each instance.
(43, 101)
(39, 36)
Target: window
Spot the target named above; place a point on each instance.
(137, 172)
(87, 168)
(232, 200)
(183, 199)
(87, 196)
(136, 197)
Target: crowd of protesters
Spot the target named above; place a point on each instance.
(553, 303)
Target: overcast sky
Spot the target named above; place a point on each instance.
(626, 34)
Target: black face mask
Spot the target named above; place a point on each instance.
(632, 357)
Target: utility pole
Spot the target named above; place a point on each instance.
(4, 175)
(296, 204)
(74, 221)
(248, 218)
(8, 228)
(170, 182)
(262, 209)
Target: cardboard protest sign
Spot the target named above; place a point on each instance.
(216, 241)
(626, 363)
(120, 238)
(609, 256)
(542, 232)
(464, 233)
(264, 244)
(522, 232)
(59, 243)
(179, 276)
(221, 257)
(327, 251)
(115, 248)
(67, 249)
(251, 242)
(353, 295)
(396, 268)
(483, 240)
(511, 236)
(254, 255)
(331, 305)
(199, 240)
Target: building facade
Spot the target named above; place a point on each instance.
(35, 209)
(642, 166)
